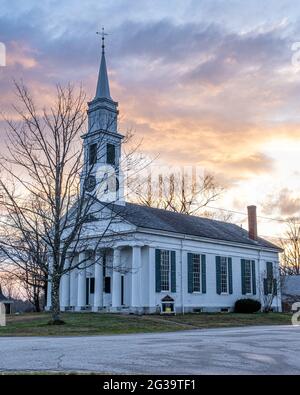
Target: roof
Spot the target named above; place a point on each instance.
(291, 285)
(103, 83)
(169, 221)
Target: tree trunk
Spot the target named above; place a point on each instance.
(55, 302)
(36, 299)
(37, 306)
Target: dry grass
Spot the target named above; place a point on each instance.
(85, 324)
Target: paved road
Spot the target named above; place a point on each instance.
(251, 350)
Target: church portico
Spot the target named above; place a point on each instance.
(108, 279)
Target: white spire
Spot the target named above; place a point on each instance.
(103, 84)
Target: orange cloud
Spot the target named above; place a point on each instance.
(20, 53)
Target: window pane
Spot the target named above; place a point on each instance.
(93, 154)
(248, 277)
(269, 270)
(107, 285)
(196, 273)
(224, 275)
(110, 154)
(270, 277)
(165, 270)
(92, 285)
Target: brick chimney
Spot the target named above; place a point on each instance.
(252, 222)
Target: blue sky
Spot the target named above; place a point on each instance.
(204, 82)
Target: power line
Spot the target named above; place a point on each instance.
(213, 208)
(245, 214)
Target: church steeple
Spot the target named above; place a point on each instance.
(102, 142)
(103, 90)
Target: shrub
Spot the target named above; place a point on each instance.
(247, 306)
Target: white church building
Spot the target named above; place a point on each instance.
(157, 260)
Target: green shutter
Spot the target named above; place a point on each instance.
(266, 291)
(173, 271)
(243, 269)
(190, 273)
(274, 287)
(203, 273)
(218, 274)
(157, 271)
(269, 270)
(269, 283)
(253, 278)
(230, 275)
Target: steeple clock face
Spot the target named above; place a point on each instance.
(90, 183)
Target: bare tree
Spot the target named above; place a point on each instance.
(25, 284)
(45, 165)
(11, 289)
(270, 285)
(222, 215)
(177, 191)
(23, 252)
(290, 258)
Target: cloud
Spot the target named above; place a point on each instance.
(199, 83)
(19, 54)
(285, 203)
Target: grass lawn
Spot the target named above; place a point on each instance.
(83, 324)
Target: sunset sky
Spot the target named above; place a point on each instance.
(211, 83)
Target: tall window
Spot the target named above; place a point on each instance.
(107, 285)
(270, 278)
(110, 154)
(269, 270)
(224, 275)
(92, 154)
(196, 273)
(92, 285)
(165, 270)
(248, 277)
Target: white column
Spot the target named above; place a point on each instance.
(98, 295)
(135, 277)
(152, 291)
(49, 285)
(73, 283)
(116, 280)
(81, 294)
(184, 277)
(65, 286)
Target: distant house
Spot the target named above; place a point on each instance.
(8, 303)
(290, 291)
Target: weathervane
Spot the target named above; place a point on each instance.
(102, 34)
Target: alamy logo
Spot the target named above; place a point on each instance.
(296, 315)
(2, 55)
(2, 315)
(109, 183)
